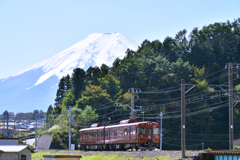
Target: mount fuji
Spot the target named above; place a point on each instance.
(36, 86)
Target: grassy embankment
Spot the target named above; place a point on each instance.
(39, 156)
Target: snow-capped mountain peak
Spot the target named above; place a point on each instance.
(94, 50)
(36, 86)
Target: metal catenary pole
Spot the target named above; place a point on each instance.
(36, 130)
(7, 123)
(183, 117)
(70, 118)
(161, 114)
(230, 83)
(18, 125)
(4, 126)
(44, 122)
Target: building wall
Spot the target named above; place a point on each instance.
(16, 156)
(26, 152)
(9, 156)
(236, 142)
(8, 142)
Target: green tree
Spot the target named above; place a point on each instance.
(78, 81)
(83, 118)
(69, 99)
(60, 92)
(111, 85)
(94, 96)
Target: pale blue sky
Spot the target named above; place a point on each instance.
(32, 31)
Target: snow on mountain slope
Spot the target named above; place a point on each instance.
(38, 83)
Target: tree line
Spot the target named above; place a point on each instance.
(100, 94)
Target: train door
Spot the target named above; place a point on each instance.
(126, 134)
(80, 137)
(149, 131)
(133, 134)
(107, 136)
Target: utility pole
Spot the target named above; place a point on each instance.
(143, 116)
(44, 121)
(183, 117)
(49, 121)
(7, 123)
(132, 91)
(161, 114)
(230, 86)
(70, 118)
(4, 127)
(202, 145)
(36, 131)
(18, 126)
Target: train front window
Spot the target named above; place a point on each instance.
(149, 131)
(141, 131)
(155, 130)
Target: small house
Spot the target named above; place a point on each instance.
(15, 152)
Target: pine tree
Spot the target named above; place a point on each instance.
(78, 81)
(68, 83)
(60, 92)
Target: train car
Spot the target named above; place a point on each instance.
(128, 134)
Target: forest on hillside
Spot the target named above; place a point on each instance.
(101, 94)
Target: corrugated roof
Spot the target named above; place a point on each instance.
(226, 152)
(12, 148)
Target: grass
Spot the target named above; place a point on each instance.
(117, 157)
(39, 156)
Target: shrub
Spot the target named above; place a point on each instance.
(236, 147)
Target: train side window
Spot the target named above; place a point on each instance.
(125, 131)
(106, 133)
(133, 130)
(156, 131)
(115, 132)
(149, 131)
(141, 131)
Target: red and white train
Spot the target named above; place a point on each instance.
(131, 133)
